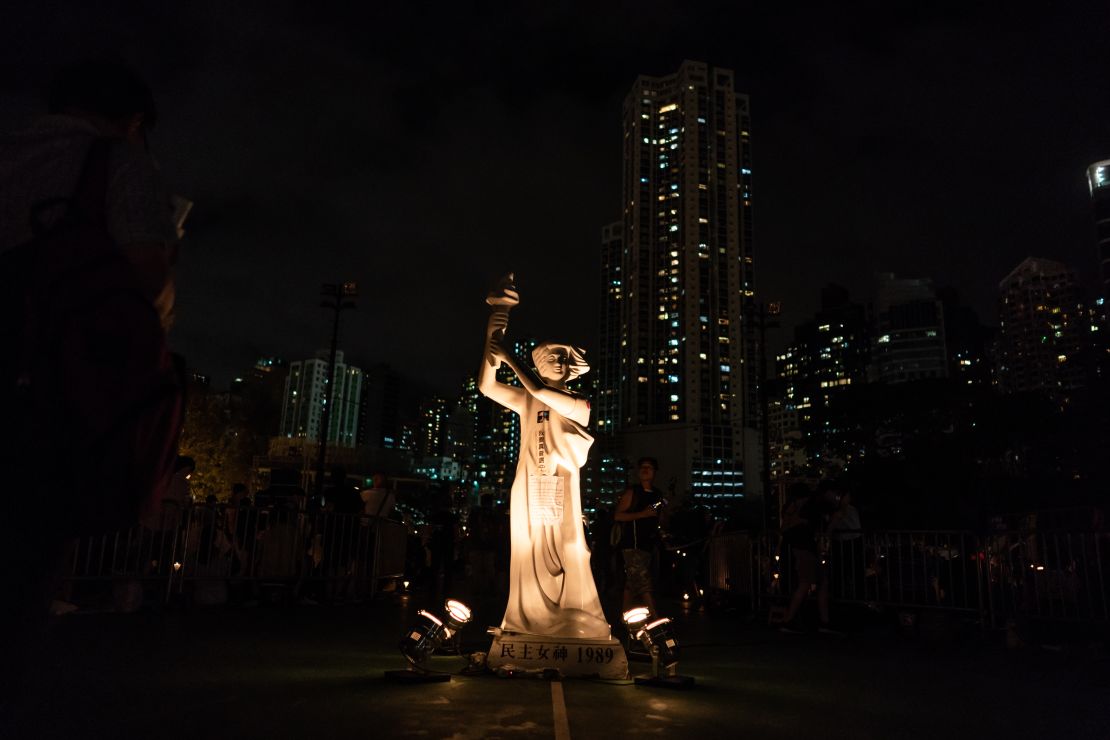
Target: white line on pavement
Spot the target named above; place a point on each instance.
(559, 709)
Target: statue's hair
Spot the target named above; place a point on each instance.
(576, 357)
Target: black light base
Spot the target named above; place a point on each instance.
(411, 676)
(682, 683)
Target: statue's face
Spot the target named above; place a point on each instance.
(553, 366)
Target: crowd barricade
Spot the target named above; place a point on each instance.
(1000, 578)
(1057, 576)
(207, 548)
(997, 578)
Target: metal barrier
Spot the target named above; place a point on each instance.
(1059, 576)
(1000, 578)
(274, 547)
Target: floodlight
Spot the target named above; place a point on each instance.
(425, 636)
(656, 636)
(458, 615)
(636, 617)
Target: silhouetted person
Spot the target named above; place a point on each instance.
(75, 183)
(638, 509)
(444, 523)
(602, 551)
(688, 529)
(342, 540)
(211, 524)
(504, 548)
(343, 496)
(242, 525)
(846, 547)
(481, 547)
(803, 519)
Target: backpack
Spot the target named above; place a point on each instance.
(91, 384)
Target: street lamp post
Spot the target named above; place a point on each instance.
(338, 297)
(767, 317)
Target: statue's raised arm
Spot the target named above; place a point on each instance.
(501, 299)
(555, 364)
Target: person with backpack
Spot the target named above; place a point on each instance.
(88, 387)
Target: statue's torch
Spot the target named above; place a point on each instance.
(501, 299)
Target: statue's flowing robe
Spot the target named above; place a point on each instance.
(551, 587)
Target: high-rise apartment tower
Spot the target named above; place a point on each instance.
(303, 406)
(684, 286)
(1041, 339)
(1098, 180)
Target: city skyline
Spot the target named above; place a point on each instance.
(947, 145)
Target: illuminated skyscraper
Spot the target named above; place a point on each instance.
(967, 341)
(460, 426)
(1041, 332)
(607, 404)
(909, 342)
(604, 475)
(786, 442)
(433, 427)
(304, 400)
(684, 287)
(1098, 180)
(828, 357)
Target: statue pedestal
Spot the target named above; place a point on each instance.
(571, 656)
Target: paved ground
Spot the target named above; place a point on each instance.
(316, 672)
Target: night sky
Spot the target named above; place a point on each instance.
(425, 151)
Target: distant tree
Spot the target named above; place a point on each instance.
(221, 450)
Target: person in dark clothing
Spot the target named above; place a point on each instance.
(602, 551)
(638, 511)
(803, 520)
(501, 561)
(445, 525)
(40, 170)
(242, 520)
(242, 528)
(688, 527)
(481, 547)
(211, 525)
(341, 495)
(341, 530)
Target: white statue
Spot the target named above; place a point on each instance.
(551, 588)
